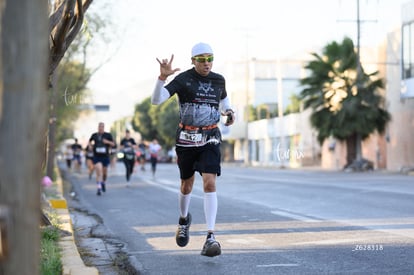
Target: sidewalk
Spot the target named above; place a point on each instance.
(71, 260)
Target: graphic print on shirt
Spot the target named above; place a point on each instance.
(202, 108)
(199, 99)
(206, 87)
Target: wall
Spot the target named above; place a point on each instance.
(400, 141)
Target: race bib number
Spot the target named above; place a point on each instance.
(190, 137)
(101, 150)
(128, 150)
(129, 157)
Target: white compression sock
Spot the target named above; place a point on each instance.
(184, 204)
(210, 209)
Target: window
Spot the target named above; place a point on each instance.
(408, 51)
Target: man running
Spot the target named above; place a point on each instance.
(202, 99)
(102, 143)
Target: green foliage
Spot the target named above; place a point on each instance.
(142, 121)
(50, 233)
(344, 102)
(50, 258)
(74, 75)
(252, 114)
(294, 106)
(167, 121)
(119, 127)
(70, 94)
(50, 253)
(157, 121)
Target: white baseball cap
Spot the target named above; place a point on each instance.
(201, 48)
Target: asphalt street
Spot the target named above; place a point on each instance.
(270, 221)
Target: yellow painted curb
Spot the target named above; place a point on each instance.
(58, 204)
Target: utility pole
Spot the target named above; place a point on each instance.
(247, 79)
(281, 152)
(358, 141)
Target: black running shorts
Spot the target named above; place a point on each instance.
(104, 160)
(204, 159)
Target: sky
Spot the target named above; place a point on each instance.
(143, 30)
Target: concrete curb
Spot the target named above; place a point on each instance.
(71, 260)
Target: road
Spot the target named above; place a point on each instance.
(270, 221)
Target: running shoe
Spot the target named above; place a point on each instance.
(103, 187)
(211, 247)
(98, 192)
(183, 232)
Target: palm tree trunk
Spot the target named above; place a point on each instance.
(351, 149)
(358, 147)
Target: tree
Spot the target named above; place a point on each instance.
(65, 22)
(167, 117)
(142, 121)
(71, 75)
(65, 96)
(157, 121)
(251, 113)
(23, 124)
(347, 104)
(64, 25)
(72, 79)
(294, 105)
(26, 69)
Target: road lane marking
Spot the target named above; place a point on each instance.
(166, 186)
(246, 240)
(277, 265)
(299, 217)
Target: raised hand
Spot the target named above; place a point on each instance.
(165, 68)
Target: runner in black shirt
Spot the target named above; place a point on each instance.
(128, 147)
(202, 100)
(102, 142)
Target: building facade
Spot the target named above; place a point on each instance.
(289, 140)
(399, 71)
